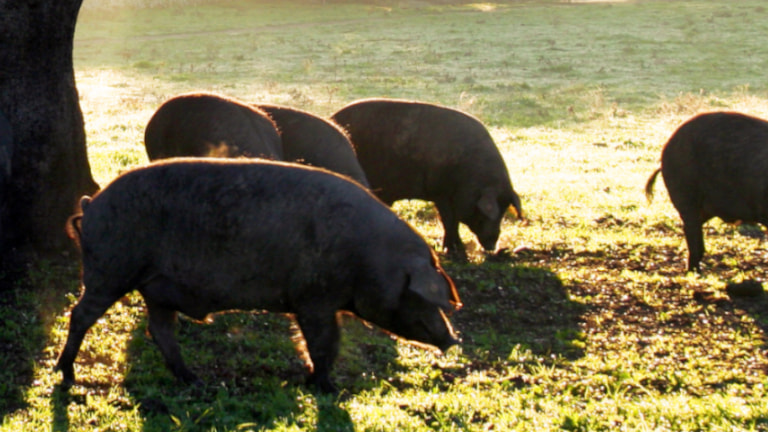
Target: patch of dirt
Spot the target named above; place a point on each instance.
(674, 324)
(509, 306)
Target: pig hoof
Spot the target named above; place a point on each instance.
(323, 384)
(457, 255)
(502, 255)
(191, 379)
(68, 378)
(66, 384)
(197, 383)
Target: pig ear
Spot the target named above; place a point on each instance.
(433, 285)
(515, 211)
(429, 289)
(488, 205)
(512, 212)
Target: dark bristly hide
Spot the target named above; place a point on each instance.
(423, 151)
(199, 236)
(203, 124)
(311, 140)
(715, 165)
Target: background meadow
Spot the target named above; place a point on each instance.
(588, 322)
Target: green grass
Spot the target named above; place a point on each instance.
(587, 323)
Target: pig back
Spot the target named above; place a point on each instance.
(202, 124)
(312, 140)
(716, 163)
(419, 150)
(237, 234)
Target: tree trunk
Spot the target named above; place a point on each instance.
(49, 164)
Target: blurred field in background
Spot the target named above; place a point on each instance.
(592, 325)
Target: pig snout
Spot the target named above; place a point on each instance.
(427, 326)
(451, 341)
(488, 235)
(447, 335)
(489, 244)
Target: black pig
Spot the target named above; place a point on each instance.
(418, 150)
(202, 124)
(715, 165)
(311, 140)
(200, 236)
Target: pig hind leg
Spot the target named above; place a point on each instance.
(687, 199)
(693, 222)
(162, 323)
(89, 308)
(321, 334)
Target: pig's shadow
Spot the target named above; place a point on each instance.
(511, 306)
(252, 372)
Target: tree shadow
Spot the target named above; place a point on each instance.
(30, 297)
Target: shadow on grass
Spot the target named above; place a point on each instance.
(20, 340)
(740, 270)
(28, 304)
(59, 404)
(641, 290)
(253, 376)
(511, 307)
(757, 308)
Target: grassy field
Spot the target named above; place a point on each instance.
(588, 323)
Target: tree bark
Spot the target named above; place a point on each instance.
(49, 164)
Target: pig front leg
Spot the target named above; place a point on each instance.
(452, 243)
(321, 333)
(162, 324)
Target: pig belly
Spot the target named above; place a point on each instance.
(199, 301)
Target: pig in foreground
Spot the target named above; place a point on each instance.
(202, 124)
(311, 140)
(423, 151)
(198, 236)
(715, 165)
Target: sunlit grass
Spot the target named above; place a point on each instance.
(588, 323)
